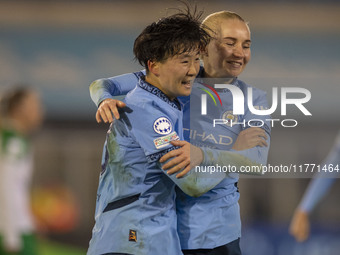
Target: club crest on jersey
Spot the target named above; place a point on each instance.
(229, 116)
(162, 126)
(165, 140)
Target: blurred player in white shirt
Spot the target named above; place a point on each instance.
(21, 114)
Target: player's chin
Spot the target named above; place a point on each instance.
(235, 72)
(186, 91)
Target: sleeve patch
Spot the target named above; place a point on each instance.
(162, 126)
(165, 140)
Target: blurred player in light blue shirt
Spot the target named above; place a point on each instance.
(210, 222)
(317, 189)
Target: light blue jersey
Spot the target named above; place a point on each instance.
(213, 219)
(135, 211)
(322, 181)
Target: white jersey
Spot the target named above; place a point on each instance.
(16, 165)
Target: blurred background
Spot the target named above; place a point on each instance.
(60, 47)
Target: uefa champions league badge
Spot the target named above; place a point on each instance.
(162, 126)
(229, 117)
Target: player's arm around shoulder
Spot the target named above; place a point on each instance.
(197, 168)
(104, 91)
(256, 134)
(205, 172)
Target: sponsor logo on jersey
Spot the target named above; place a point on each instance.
(162, 126)
(207, 139)
(165, 140)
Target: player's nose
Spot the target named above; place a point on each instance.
(193, 69)
(238, 51)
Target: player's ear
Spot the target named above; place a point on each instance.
(153, 67)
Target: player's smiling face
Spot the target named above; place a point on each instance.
(175, 76)
(228, 54)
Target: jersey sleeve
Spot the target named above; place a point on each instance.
(200, 180)
(322, 182)
(259, 154)
(259, 102)
(102, 89)
(241, 161)
(153, 128)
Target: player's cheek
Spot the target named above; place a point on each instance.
(247, 57)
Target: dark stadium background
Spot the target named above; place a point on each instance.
(61, 46)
